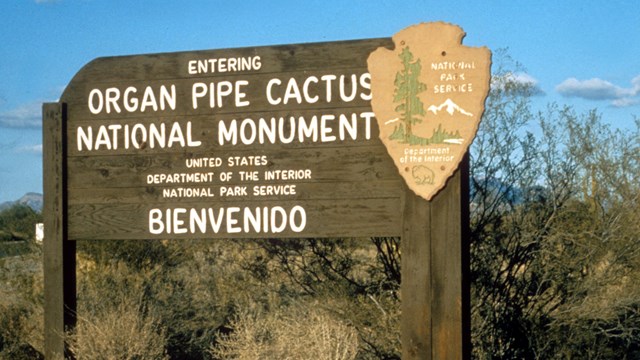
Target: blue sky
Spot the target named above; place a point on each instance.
(582, 53)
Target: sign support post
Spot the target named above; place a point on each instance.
(59, 254)
(435, 270)
(428, 96)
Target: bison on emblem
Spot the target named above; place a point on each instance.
(422, 175)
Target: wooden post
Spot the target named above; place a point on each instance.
(435, 272)
(59, 254)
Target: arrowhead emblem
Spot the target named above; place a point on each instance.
(428, 95)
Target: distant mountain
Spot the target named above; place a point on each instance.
(495, 188)
(32, 200)
(449, 107)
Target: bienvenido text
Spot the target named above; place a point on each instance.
(229, 220)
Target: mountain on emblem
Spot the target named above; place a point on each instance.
(450, 107)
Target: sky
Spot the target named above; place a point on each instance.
(582, 53)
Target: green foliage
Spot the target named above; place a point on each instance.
(438, 137)
(18, 223)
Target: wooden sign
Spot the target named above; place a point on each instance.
(428, 97)
(278, 141)
(243, 143)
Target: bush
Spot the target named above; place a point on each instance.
(16, 327)
(123, 332)
(21, 311)
(19, 222)
(114, 320)
(296, 332)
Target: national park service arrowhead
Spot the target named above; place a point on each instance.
(428, 95)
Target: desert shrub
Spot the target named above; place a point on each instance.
(123, 332)
(176, 284)
(348, 277)
(21, 311)
(296, 332)
(114, 319)
(205, 287)
(16, 327)
(138, 254)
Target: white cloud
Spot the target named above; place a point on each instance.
(25, 116)
(32, 149)
(522, 82)
(599, 89)
(625, 102)
(524, 78)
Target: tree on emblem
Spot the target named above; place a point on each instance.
(408, 86)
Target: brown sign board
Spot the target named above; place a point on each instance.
(243, 143)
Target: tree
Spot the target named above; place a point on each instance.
(18, 223)
(554, 232)
(408, 86)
